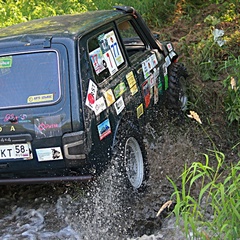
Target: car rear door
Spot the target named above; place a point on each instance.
(34, 112)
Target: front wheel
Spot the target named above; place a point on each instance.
(177, 98)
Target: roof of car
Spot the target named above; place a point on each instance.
(65, 25)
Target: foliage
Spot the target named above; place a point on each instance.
(155, 12)
(232, 99)
(212, 212)
(16, 11)
(207, 200)
(213, 56)
(210, 52)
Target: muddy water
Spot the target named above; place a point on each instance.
(100, 210)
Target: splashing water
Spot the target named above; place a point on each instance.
(98, 214)
(104, 209)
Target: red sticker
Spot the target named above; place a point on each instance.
(91, 98)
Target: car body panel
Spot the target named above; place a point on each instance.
(103, 80)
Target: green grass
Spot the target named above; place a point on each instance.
(208, 200)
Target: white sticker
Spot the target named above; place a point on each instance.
(112, 67)
(154, 60)
(113, 44)
(164, 66)
(152, 80)
(49, 154)
(91, 95)
(167, 61)
(145, 69)
(156, 72)
(148, 65)
(119, 105)
(100, 105)
(96, 57)
(172, 54)
(169, 46)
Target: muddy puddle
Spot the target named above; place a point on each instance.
(101, 209)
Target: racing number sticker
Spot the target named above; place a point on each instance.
(114, 47)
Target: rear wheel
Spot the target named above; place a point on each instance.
(130, 154)
(134, 164)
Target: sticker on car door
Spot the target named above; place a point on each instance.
(104, 129)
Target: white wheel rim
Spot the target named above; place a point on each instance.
(134, 162)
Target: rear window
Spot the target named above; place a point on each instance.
(28, 79)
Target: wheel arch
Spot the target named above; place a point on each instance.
(127, 121)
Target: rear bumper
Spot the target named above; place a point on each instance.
(44, 180)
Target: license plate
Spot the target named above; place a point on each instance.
(15, 151)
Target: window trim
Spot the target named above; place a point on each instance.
(58, 73)
(136, 28)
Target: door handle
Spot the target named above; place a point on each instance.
(139, 70)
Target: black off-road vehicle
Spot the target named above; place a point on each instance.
(77, 91)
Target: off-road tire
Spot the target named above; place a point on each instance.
(176, 92)
(129, 155)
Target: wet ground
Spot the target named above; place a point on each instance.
(103, 209)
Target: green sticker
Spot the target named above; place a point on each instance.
(119, 89)
(166, 81)
(160, 88)
(5, 62)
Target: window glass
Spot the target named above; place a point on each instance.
(29, 79)
(131, 39)
(105, 54)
